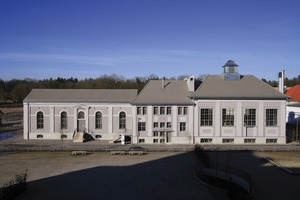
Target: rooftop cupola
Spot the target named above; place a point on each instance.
(230, 71)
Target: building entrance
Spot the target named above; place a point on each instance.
(81, 122)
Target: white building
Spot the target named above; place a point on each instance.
(226, 108)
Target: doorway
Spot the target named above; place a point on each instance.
(81, 122)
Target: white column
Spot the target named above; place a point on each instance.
(239, 119)
(149, 120)
(87, 119)
(217, 119)
(52, 118)
(261, 123)
(26, 121)
(110, 119)
(175, 120)
(196, 120)
(75, 119)
(134, 122)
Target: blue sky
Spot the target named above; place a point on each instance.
(89, 38)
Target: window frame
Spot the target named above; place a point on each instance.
(185, 110)
(206, 117)
(169, 110)
(271, 117)
(39, 120)
(141, 126)
(228, 117)
(98, 120)
(249, 117)
(162, 110)
(122, 120)
(155, 110)
(182, 126)
(63, 120)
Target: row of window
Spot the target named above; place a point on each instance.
(162, 110)
(209, 140)
(64, 120)
(142, 125)
(231, 140)
(206, 118)
(228, 115)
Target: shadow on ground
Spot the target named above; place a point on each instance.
(165, 178)
(152, 176)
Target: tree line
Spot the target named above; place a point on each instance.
(16, 90)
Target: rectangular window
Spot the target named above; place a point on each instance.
(182, 126)
(169, 124)
(206, 140)
(142, 126)
(179, 110)
(227, 140)
(249, 140)
(144, 110)
(162, 134)
(141, 140)
(162, 124)
(155, 140)
(162, 140)
(206, 115)
(139, 110)
(271, 141)
(185, 110)
(182, 110)
(155, 110)
(162, 110)
(271, 117)
(228, 117)
(155, 125)
(155, 134)
(249, 117)
(169, 110)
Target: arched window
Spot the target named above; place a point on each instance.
(122, 120)
(81, 115)
(64, 120)
(98, 123)
(40, 120)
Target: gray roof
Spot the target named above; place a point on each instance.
(174, 92)
(82, 95)
(248, 87)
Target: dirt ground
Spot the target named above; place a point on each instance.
(156, 175)
(59, 175)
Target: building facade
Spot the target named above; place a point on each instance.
(226, 108)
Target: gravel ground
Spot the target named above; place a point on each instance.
(58, 175)
(156, 175)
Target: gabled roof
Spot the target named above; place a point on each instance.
(82, 95)
(248, 87)
(174, 92)
(294, 93)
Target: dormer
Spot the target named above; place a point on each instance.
(230, 71)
